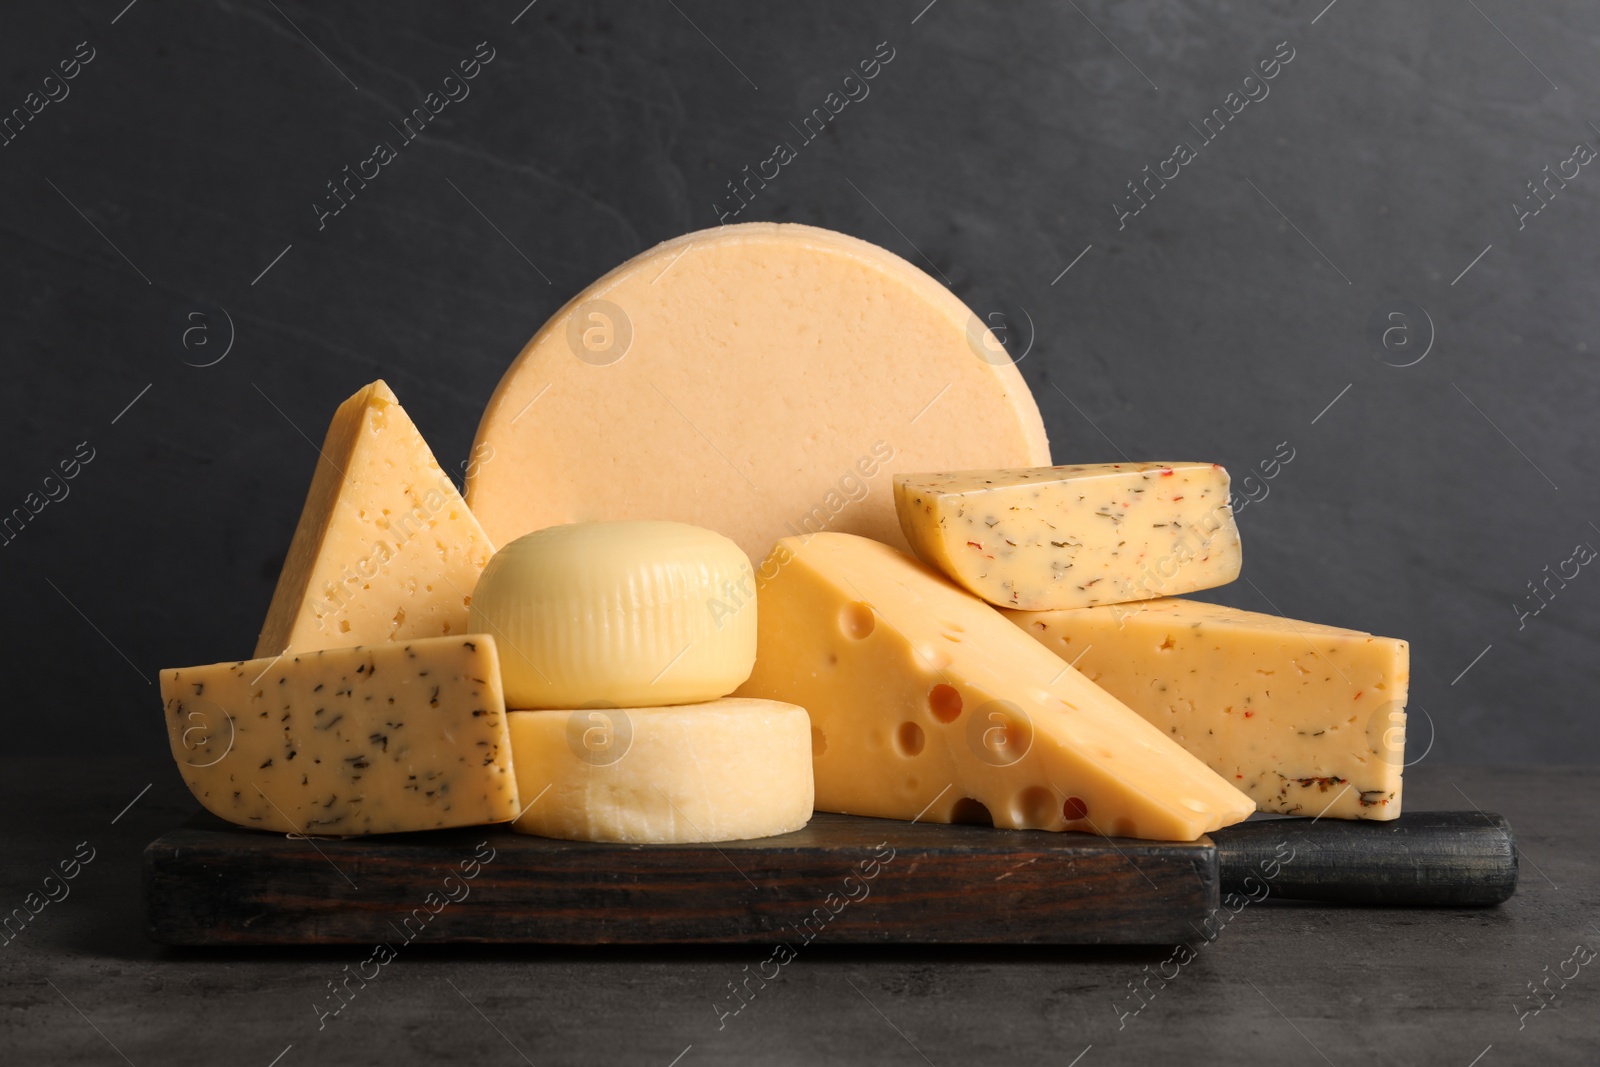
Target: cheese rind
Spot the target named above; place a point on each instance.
(365, 740)
(633, 614)
(724, 770)
(1074, 536)
(926, 703)
(385, 549)
(1306, 719)
(759, 379)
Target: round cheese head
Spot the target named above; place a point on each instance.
(725, 770)
(764, 380)
(618, 614)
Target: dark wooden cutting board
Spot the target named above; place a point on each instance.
(847, 879)
(843, 878)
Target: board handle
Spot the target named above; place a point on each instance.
(1431, 858)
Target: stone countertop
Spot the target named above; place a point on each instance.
(1281, 981)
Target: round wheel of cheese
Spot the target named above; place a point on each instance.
(720, 771)
(626, 614)
(764, 380)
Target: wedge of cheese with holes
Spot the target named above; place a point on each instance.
(385, 549)
(366, 740)
(1306, 719)
(723, 770)
(927, 704)
(759, 379)
(1070, 537)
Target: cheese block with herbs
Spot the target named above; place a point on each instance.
(1068, 537)
(760, 379)
(926, 704)
(406, 735)
(1306, 719)
(385, 549)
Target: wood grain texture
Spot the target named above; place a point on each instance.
(845, 879)
(853, 880)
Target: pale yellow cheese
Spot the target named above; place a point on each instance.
(385, 549)
(1306, 719)
(759, 379)
(926, 703)
(719, 771)
(366, 740)
(628, 613)
(1070, 537)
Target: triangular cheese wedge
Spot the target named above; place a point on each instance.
(926, 705)
(385, 550)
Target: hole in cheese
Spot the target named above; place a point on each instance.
(856, 620)
(971, 812)
(1074, 809)
(1034, 807)
(908, 739)
(819, 742)
(944, 702)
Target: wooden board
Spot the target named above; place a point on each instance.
(841, 879)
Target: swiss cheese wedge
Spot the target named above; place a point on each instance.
(385, 549)
(759, 379)
(926, 705)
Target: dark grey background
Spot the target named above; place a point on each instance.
(1223, 320)
(1212, 327)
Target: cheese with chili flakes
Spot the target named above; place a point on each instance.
(1069, 537)
(1306, 719)
(365, 740)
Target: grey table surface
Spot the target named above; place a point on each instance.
(1281, 982)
